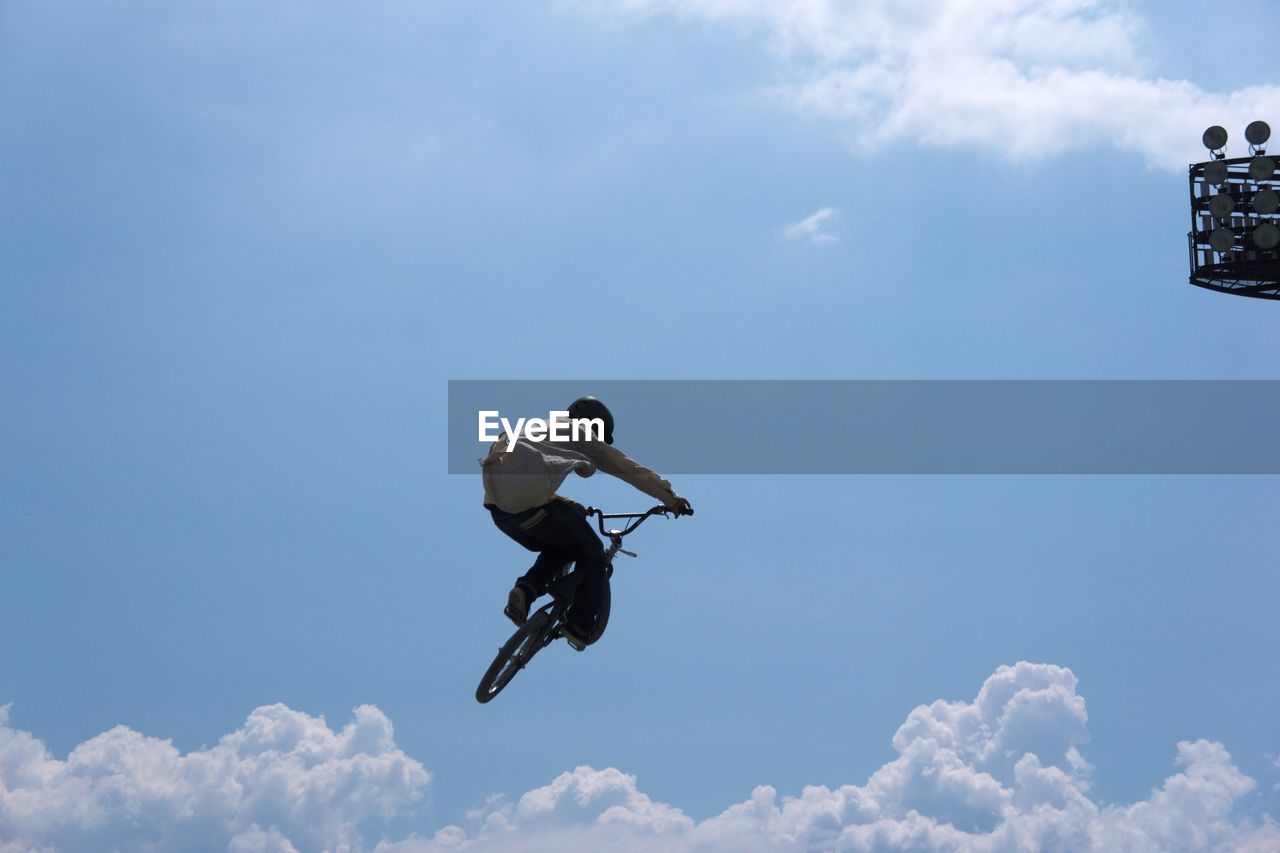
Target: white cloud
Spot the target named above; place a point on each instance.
(1027, 78)
(816, 228)
(282, 782)
(1003, 772)
(1000, 773)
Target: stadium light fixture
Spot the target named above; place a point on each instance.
(1266, 236)
(1257, 133)
(1234, 242)
(1222, 240)
(1266, 202)
(1215, 138)
(1262, 168)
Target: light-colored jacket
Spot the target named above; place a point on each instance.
(529, 474)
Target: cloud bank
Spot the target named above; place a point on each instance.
(1026, 78)
(1000, 773)
(284, 781)
(1003, 772)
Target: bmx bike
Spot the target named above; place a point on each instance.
(543, 626)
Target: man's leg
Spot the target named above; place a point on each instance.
(561, 533)
(573, 536)
(533, 583)
(542, 573)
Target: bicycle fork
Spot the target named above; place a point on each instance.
(615, 547)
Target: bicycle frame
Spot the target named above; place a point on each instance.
(561, 592)
(541, 629)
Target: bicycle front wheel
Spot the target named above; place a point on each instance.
(514, 655)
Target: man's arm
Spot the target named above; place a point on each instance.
(610, 460)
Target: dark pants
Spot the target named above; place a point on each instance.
(560, 534)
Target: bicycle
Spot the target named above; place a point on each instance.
(543, 627)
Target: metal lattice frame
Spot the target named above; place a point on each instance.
(1245, 270)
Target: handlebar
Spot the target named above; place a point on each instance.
(638, 517)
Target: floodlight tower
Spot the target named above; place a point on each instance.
(1234, 234)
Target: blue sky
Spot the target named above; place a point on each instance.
(246, 245)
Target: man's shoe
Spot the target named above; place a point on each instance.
(574, 637)
(517, 609)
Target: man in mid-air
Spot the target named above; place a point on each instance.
(520, 486)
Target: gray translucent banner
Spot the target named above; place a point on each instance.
(906, 426)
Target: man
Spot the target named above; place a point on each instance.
(520, 493)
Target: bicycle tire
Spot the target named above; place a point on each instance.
(514, 656)
(602, 616)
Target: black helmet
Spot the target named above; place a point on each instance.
(591, 408)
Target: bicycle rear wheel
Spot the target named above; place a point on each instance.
(514, 655)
